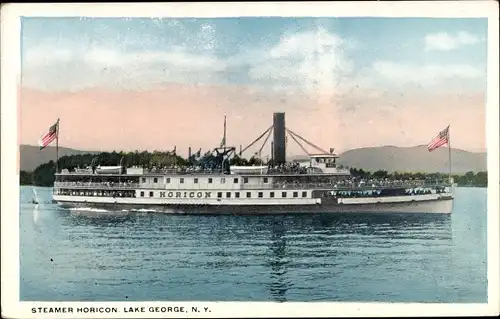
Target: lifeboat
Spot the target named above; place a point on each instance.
(243, 170)
(108, 170)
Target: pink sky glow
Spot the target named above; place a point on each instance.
(181, 115)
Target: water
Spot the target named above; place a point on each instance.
(137, 256)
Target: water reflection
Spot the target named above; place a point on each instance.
(347, 257)
(225, 229)
(319, 241)
(36, 214)
(92, 217)
(278, 261)
(286, 246)
(394, 220)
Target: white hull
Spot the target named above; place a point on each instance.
(424, 205)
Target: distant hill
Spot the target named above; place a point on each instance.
(389, 158)
(413, 159)
(31, 156)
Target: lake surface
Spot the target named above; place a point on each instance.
(78, 255)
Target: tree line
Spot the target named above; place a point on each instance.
(469, 179)
(43, 175)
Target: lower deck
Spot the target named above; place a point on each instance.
(293, 201)
(235, 196)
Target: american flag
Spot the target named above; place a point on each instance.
(50, 136)
(440, 140)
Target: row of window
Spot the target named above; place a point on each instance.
(261, 194)
(96, 193)
(210, 180)
(236, 194)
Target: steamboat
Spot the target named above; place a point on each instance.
(314, 185)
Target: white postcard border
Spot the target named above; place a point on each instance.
(10, 114)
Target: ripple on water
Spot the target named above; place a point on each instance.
(142, 255)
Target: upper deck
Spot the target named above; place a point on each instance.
(209, 180)
(194, 171)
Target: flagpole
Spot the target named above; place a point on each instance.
(57, 147)
(449, 156)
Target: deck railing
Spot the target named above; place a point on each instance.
(217, 171)
(93, 185)
(174, 171)
(275, 186)
(338, 187)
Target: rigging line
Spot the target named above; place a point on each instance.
(265, 141)
(309, 143)
(302, 147)
(258, 138)
(294, 136)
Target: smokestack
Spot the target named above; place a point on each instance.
(189, 153)
(272, 153)
(279, 143)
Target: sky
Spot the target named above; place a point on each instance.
(152, 84)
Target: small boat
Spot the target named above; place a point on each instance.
(35, 200)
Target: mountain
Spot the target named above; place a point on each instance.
(32, 156)
(413, 159)
(389, 158)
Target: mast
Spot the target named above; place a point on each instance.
(222, 150)
(57, 147)
(175, 156)
(224, 138)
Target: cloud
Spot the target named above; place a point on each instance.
(75, 67)
(316, 63)
(443, 41)
(307, 61)
(405, 73)
(116, 59)
(311, 60)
